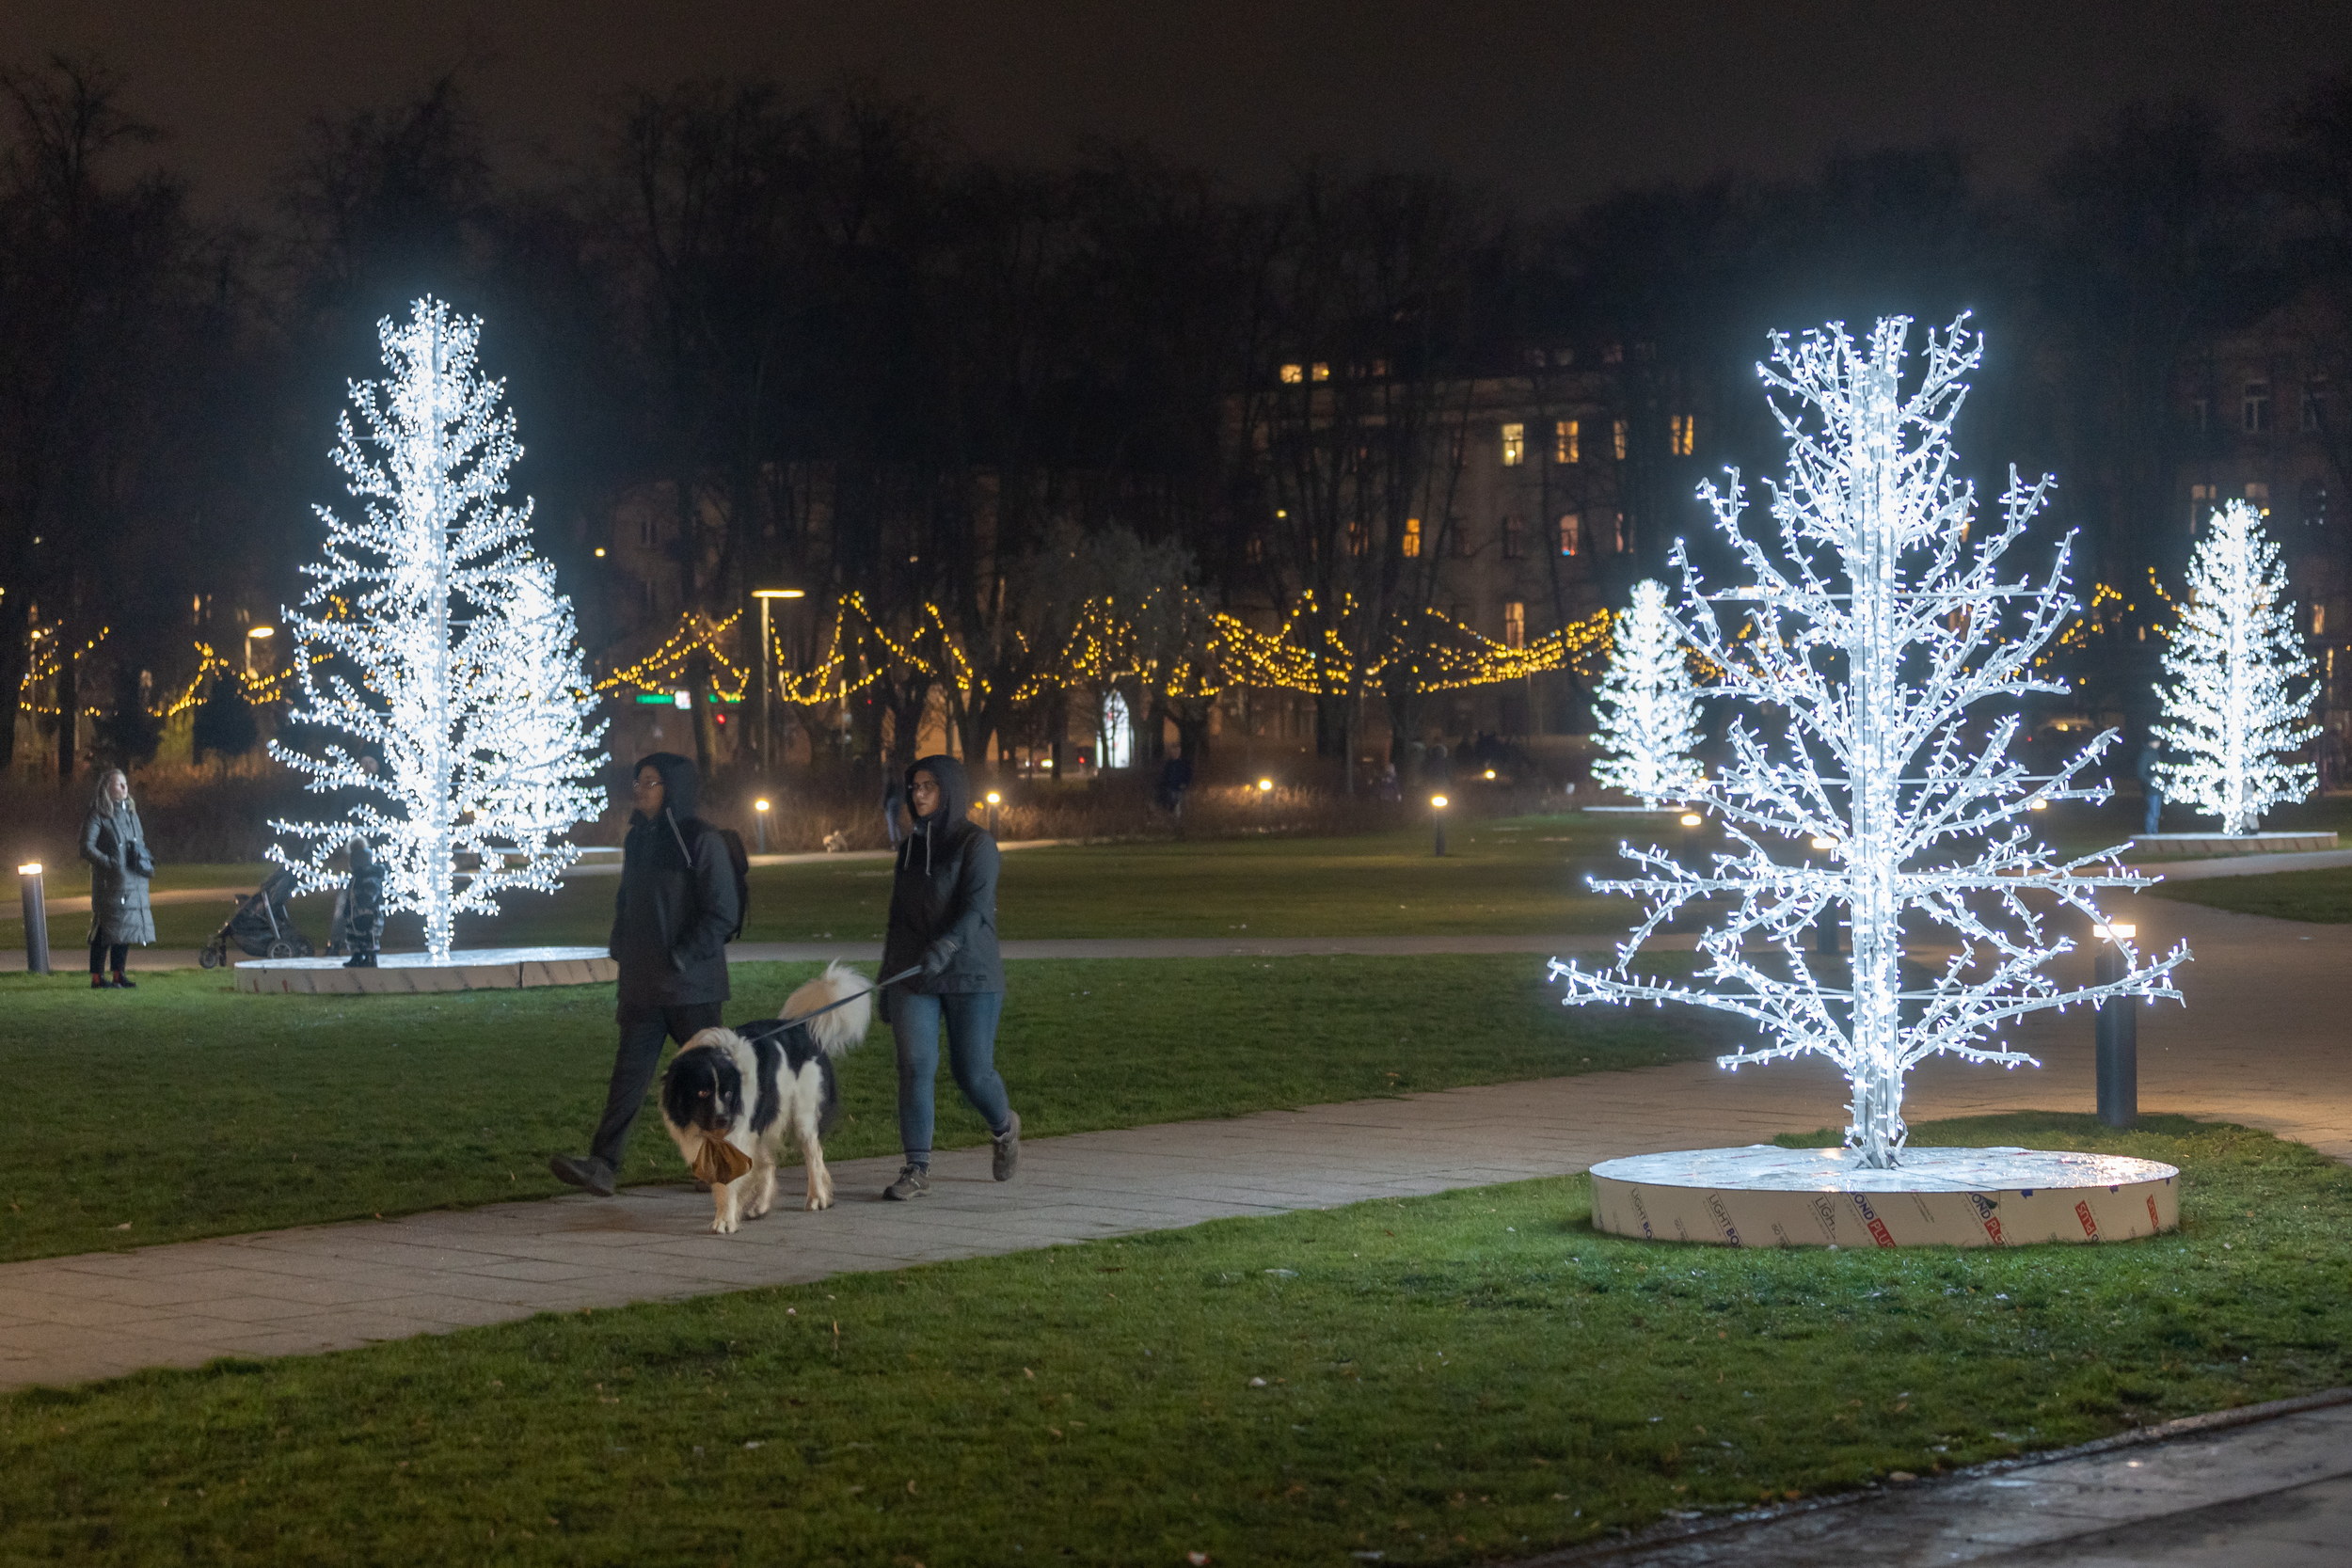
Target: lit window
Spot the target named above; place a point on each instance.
(1624, 541)
(1515, 624)
(2201, 500)
(1293, 374)
(1514, 538)
(1571, 533)
(2257, 407)
(1358, 536)
(1319, 371)
(2258, 496)
(1618, 432)
(1566, 446)
(1412, 538)
(1681, 435)
(1514, 445)
(2319, 620)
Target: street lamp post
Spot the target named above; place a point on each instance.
(994, 800)
(2117, 1031)
(1691, 823)
(760, 822)
(767, 673)
(36, 918)
(1436, 814)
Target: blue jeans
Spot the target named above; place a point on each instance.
(971, 1019)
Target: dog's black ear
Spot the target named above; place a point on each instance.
(687, 1081)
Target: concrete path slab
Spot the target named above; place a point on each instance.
(2266, 1487)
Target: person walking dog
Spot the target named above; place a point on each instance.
(676, 908)
(943, 918)
(115, 845)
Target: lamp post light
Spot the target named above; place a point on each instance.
(1265, 790)
(1436, 815)
(36, 918)
(994, 800)
(767, 673)
(2118, 1030)
(253, 635)
(1691, 823)
(759, 821)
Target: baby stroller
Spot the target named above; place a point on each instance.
(260, 925)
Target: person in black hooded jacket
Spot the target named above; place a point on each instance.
(671, 921)
(943, 918)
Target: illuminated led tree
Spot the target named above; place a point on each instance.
(1648, 711)
(433, 640)
(1880, 656)
(2232, 720)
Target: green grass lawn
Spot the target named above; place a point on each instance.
(1456, 1379)
(1519, 875)
(2322, 897)
(240, 1113)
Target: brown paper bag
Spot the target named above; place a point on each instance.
(719, 1161)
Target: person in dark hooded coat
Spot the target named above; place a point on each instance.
(943, 919)
(671, 921)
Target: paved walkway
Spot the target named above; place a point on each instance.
(2263, 1042)
(2266, 1487)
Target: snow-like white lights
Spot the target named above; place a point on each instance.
(1649, 714)
(2231, 722)
(1871, 631)
(435, 644)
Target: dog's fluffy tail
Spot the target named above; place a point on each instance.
(845, 1025)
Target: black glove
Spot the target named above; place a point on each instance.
(938, 955)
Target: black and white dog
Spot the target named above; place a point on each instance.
(732, 1094)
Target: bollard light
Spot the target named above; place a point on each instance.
(36, 918)
(1690, 821)
(2037, 805)
(1490, 772)
(1436, 814)
(2117, 1029)
(1265, 786)
(760, 822)
(994, 800)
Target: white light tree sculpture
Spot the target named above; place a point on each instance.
(2232, 721)
(432, 639)
(1648, 707)
(1874, 633)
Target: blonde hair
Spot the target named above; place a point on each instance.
(104, 801)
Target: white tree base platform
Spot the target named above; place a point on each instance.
(1635, 811)
(474, 969)
(1764, 1195)
(2232, 844)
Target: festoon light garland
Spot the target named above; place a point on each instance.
(449, 654)
(1877, 629)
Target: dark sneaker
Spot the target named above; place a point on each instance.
(913, 1182)
(1008, 1156)
(123, 982)
(360, 960)
(583, 1170)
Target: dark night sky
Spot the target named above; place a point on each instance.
(1548, 104)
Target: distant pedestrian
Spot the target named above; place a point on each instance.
(1175, 779)
(943, 917)
(115, 845)
(362, 905)
(2152, 757)
(675, 910)
(2330, 759)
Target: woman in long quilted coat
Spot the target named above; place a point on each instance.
(116, 847)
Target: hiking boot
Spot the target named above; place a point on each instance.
(913, 1182)
(583, 1170)
(1007, 1157)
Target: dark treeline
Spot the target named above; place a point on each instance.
(843, 352)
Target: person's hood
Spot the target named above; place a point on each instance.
(955, 790)
(682, 787)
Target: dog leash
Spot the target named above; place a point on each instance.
(875, 989)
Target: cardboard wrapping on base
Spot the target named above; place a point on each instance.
(1765, 1195)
